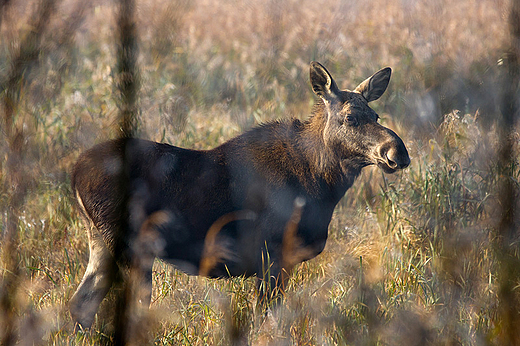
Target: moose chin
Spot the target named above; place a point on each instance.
(268, 193)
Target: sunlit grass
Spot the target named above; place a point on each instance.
(410, 257)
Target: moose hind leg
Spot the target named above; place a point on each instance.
(99, 277)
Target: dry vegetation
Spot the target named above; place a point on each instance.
(427, 256)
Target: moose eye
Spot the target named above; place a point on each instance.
(351, 120)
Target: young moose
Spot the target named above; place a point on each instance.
(244, 196)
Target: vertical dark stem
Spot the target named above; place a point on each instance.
(4, 4)
(508, 237)
(274, 31)
(128, 80)
(17, 180)
(275, 28)
(128, 86)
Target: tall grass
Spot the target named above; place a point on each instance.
(419, 257)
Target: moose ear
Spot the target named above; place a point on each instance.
(322, 83)
(373, 87)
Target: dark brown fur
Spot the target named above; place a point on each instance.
(261, 172)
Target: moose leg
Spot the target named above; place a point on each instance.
(276, 269)
(271, 282)
(141, 284)
(270, 290)
(148, 245)
(99, 277)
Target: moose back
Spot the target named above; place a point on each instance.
(266, 194)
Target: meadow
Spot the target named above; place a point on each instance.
(427, 256)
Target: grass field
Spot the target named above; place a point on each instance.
(427, 256)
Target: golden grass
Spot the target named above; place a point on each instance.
(411, 258)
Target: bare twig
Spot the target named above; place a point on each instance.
(127, 86)
(213, 252)
(17, 180)
(508, 236)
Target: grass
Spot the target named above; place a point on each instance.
(412, 258)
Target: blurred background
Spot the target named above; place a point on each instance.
(427, 256)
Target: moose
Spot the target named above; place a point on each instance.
(251, 197)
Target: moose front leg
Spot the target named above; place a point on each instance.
(148, 245)
(272, 281)
(277, 269)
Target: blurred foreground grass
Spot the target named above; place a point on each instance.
(411, 258)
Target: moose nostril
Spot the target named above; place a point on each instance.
(391, 163)
(396, 160)
(388, 154)
(394, 157)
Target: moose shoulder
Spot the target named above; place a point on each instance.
(242, 197)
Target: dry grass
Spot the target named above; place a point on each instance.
(411, 259)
